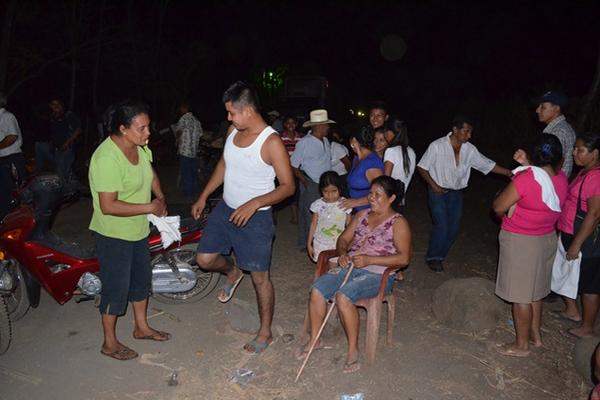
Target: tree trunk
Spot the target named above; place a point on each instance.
(589, 98)
(11, 6)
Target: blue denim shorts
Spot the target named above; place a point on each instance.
(252, 243)
(361, 285)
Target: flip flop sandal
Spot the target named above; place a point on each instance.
(570, 334)
(123, 354)
(302, 351)
(229, 289)
(563, 316)
(351, 367)
(506, 351)
(157, 336)
(256, 347)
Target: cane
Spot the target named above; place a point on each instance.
(316, 339)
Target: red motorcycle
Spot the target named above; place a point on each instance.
(32, 256)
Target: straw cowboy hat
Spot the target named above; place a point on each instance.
(318, 117)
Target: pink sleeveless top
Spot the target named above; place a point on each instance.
(378, 241)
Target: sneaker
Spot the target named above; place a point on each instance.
(435, 265)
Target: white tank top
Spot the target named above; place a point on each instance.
(246, 174)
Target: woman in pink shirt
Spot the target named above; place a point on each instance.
(586, 187)
(529, 207)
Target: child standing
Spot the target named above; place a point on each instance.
(329, 220)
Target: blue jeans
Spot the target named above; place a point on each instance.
(64, 161)
(188, 167)
(43, 154)
(446, 212)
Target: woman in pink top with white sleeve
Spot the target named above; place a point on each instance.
(586, 188)
(529, 207)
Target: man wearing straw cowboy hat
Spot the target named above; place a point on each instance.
(311, 158)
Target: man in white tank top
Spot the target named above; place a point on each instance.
(252, 157)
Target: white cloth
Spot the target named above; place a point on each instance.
(8, 127)
(440, 162)
(168, 228)
(565, 273)
(247, 175)
(338, 151)
(396, 157)
(549, 196)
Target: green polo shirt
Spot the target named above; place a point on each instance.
(111, 171)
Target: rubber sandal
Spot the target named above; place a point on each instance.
(229, 289)
(256, 347)
(570, 333)
(123, 354)
(157, 336)
(563, 316)
(507, 351)
(351, 367)
(302, 351)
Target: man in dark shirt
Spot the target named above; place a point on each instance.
(42, 142)
(65, 127)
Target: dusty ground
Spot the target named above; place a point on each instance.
(55, 352)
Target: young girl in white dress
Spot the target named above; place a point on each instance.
(329, 219)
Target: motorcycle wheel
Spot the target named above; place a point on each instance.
(17, 301)
(206, 283)
(5, 327)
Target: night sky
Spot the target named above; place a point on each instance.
(458, 54)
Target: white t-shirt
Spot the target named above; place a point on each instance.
(338, 151)
(440, 162)
(9, 126)
(331, 222)
(395, 156)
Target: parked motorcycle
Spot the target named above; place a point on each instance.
(32, 256)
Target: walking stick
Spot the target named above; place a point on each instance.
(316, 339)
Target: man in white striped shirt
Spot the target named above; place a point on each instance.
(446, 168)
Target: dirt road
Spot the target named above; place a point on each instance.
(55, 352)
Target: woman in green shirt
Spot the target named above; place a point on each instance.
(122, 181)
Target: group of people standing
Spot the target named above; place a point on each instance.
(539, 203)
(55, 137)
(367, 228)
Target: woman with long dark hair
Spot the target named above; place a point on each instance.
(400, 159)
(580, 232)
(366, 166)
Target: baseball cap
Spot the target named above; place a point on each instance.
(554, 97)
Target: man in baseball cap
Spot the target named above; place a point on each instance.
(549, 111)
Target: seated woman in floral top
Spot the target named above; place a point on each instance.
(376, 238)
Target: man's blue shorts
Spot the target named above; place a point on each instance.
(361, 285)
(252, 243)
